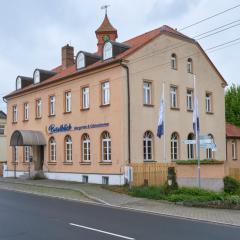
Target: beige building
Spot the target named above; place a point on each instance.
(3, 137)
(88, 118)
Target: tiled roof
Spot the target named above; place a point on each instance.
(106, 26)
(232, 130)
(134, 43)
(3, 115)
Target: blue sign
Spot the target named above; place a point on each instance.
(68, 127)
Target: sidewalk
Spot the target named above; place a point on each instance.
(98, 194)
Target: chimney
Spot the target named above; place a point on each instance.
(67, 56)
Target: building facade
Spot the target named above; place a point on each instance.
(3, 137)
(88, 118)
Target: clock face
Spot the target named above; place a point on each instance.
(105, 38)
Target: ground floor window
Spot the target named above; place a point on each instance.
(148, 146)
(52, 149)
(209, 151)
(85, 147)
(190, 147)
(15, 154)
(106, 146)
(68, 149)
(174, 146)
(26, 153)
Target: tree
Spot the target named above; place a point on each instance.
(232, 105)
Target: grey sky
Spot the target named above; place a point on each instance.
(32, 32)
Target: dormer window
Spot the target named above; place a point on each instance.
(36, 77)
(80, 60)
(18, 83)
(107, 51)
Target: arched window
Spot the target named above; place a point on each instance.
(190, 65)
(68, 149)
(174, 61)
(107, 51)
(174, 146)
(85, 148)
(106, 146)
(148, 146)
(234, 149)
(36, 76)
(80, 60)
(18, 83)
(190, 147)
(52, 150)
(209, 151)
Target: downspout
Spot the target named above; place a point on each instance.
(128, 112)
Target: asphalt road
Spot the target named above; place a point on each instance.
(28, 217)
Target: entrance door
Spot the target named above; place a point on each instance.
(41, 157)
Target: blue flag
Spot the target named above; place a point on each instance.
(160, 129)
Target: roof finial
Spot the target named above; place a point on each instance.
(105, 7)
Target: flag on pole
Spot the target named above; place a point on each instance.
(160, 129)
(196, 125)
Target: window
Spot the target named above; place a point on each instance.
(190, 147)
(107, 51)
(148, 146)
(15, 114)
(68, 101)
(209, 152)
(105, 93)
(189, 65)
(38, 108)
(105, 180)
(15, 154)
(234, 150)
(18, 83)
(147, 92)
(106, 147)
(85, 147)
(26, 153)
(80, 60)
(174, 61)
(173, 94)
(1, 129)
(85, 97)
(52, 105)
(52, 150)
(208, 102)
(190, 99)
(26, 111)
(68, 149)
(174, 146)
(85, 179)
(36, 77)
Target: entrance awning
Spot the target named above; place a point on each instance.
(27, 138)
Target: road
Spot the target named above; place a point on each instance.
(28, 217)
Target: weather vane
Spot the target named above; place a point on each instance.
(105, 7)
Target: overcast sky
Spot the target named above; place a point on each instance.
(32, 32)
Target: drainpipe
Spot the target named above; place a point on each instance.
(128, 112)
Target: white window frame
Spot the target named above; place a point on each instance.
(18, 83)
(26, 111)
(173, 94)
(39, 108)
(52, 150)
(209, 151)
(107, 51)
(85, 97)
(190, 66)
(52, 105)
(106, 144)
(147, 92)
(15, 154)
(189, 99)
(174, 146)
(86, 151)
(2, 129)
(36, 77)
(105, 93)
(208, 100)
(15, 113)
(27, 151)
(68, 149)
(190, 148)
(148, 143)
(80, 60)
(174, 61)
(68, 101)
(234, 150)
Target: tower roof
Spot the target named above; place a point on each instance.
(106, 26)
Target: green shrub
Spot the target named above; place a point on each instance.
(231, 185)
(233, 199)
(195, 162)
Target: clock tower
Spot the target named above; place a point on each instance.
(105, 33)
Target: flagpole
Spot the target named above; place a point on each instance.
(164, 125)
(197, 135)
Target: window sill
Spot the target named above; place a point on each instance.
(85, 163)
(67, 112)
(104, 105)
(210, 113)
(38, 118)
(174, 69)
(189, 110)
(175, 108)
(105, 163)
(52, 163)
(148, 105)
(25, 120)
(234, 159)
(84, 109)
(67, 163)
(53, 115)
(14, 163)
(14, 122)
(25, 163)
(149, 161)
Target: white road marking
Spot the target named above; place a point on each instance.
(98, 230)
